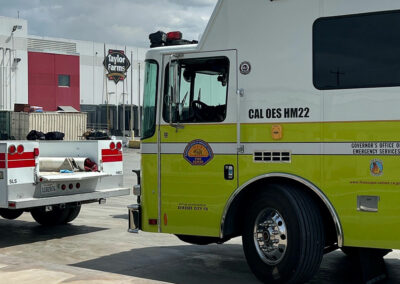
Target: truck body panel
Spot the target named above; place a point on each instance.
(344, 141)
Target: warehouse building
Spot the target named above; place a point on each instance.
(53, 73)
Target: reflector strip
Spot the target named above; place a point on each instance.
(2, 156)
(23, 156)
(21, 164)
(108, 159)
(109, 152)
(2, 165)
(109, 155)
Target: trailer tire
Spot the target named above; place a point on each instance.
(73, 213)
(54, 217)
(10, 214)
(283, 235)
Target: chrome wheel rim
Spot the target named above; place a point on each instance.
(270, 236)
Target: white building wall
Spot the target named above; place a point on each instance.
(94, 87)
(13, 74)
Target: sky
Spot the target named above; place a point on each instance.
(125, 22)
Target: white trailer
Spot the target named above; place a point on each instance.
(49, 179)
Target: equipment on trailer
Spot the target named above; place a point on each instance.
(51, 179)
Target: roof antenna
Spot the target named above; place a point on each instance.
(18, 14)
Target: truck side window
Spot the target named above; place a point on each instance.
(357, 51)
(203, 91)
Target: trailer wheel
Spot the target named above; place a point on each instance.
(56, 216)
(10, 214)
(354, 251)
(73, 213)
(283, 236)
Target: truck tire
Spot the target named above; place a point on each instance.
(56, 216)
(353, 252)
(283, 236)
(10, 214)
(73, 213)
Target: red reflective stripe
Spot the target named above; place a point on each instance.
(21, 164)
(23, 156)
(2, 165)
(110, 152)
(2, 156)
(116, 158)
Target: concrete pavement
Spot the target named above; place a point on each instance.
(96, 248)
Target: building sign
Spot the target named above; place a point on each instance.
(116, 64)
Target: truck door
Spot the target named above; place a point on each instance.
(198, 141)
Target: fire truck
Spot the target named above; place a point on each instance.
(281, 125)
(52, 179)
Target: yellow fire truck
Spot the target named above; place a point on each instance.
(281, 125)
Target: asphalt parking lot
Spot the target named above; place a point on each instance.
(96, 248)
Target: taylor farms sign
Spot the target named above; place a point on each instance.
(116, 64)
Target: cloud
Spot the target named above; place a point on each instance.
(126, 22)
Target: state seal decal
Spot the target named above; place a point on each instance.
(198, 153)
(376, 167)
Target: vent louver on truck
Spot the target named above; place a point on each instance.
(272, 157)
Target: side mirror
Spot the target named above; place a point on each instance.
(174, 91)
(174, 81)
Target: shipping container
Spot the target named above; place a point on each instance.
(73, 125)
(19, 125)
(5, 125)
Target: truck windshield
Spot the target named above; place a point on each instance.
(149, 101)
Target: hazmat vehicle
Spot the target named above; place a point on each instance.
(282, 126)
(52, 179)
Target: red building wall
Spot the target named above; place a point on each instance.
(43, 89)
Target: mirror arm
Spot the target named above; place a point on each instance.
(173, 90)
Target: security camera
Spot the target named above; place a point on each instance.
(16, 27)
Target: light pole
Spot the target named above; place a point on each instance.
(108, 110)
(139, 110)
(2, 79)
(123, 115)
(11, 56)
(131, 122)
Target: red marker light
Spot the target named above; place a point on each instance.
(36, 152)
(20, 149)
(63, 187)
(78, 185)
(152, 221)
(71, 186)
(174, 35)
(119, 145)
(12, 149)
(112, 145)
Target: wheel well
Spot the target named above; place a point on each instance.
(233, 223)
